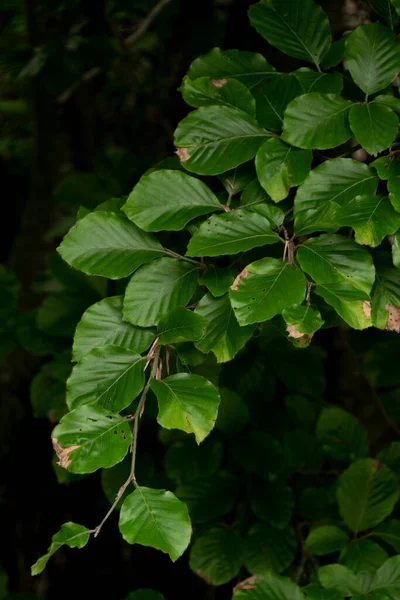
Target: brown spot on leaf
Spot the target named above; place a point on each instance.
(366, 308)
(182, 154)
(63, 453)
(293, 332)
(247, 584)
(235, 284)
(393, 323)
(218, 83)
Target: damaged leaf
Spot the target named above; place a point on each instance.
(70, 534)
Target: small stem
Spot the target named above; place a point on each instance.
(189, 260)
(136, 417)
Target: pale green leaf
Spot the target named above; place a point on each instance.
(302, 31)
(156, 518)
(168, 200)
(205, 91)
(217, 280)
(248, 67)
(317, 121)
(215, 139)
(265, 288)
(216, 556)
(303, 318)
(157, 289)
(363, 555)
(367, 493)
(89, 438)
(181, 325)
(108, 244)
(268, 586)
(272, 97)
(331, 184)
(230, 233)
(371, 217)
(187, 402)
(373, 57)
(280, 167)
(223, 336)
(374, 125)
(110, 376)
(341, 434)
(102, 325)
(70, 534)
(268, 548)
(326, 539)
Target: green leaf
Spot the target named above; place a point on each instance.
(102, 325)
(340, 578)
(301, 411)
(371, 217)
(314, 592)
(387, 579)
(335, 54)
(390, 101)
(264, 289)
(186, 461)
(209, 499)
(89, 438)
(181, 325)
(168, 200)
(280, 167)
(156, 518)
(70, 534)
(111, 376)
(214, 139)
(260, 453)
(235, 231)
(224, 92)
(254, 198)
(385, 9)
(386, 300)
(272, 502)
(108, 244)
(324, 83)
(235, 180)
(112, 479)
(268, 548)
(223, 336)
(216, 556)
(317, 121)
(326, 539)
(272, 97)
(268, 586)
(335, 259)
(331, 184)
(233, 412)
(363, 555)
(341, 435)
(248, 67)
(373, 57)
(389, 532)
(217, 280)
(145, 595)
(347, 304)
(374, 125)
(187, 402)
(367, 493)
(390, 456)
(157, 289)
(302, 31)
(302, 319)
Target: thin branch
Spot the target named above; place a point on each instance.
(147, 22)
(180, 257)
(155, 351)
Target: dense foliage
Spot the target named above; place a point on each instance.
(221, 290)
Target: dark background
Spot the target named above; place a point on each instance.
(78, 94)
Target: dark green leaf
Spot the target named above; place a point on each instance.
(314, 592)
(324, 83)
(214, 139)
(326, 539)
(387, 580)
(279, 167)
(268, 586)
(111, 376)
(341, 435)
(340, 578)
(259, 453)
(335, 54)
(233, 412)
(272, 502)
(224, 92)
(385, 303)
(89, 438)
(230, 233)
(181, 325)
(390, 101)
(108, 244)
(217, 280)
(390, 456)
(187, 402)
(317, 121)
(272, 97)
(363, 555)
(168, 200)
(187, 461)
(367, 493)
(373, 57)
(145, 595)
(208, 499)
(302, 30)
(254, 198)
(374, 125)
(264, 289)
(385, 9)
(216, 556)
(389, 532)
(156, 518)
(157, 289)
(102, 325)
(71, 534)
(268, 548)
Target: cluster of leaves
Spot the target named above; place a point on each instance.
(278, 258)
